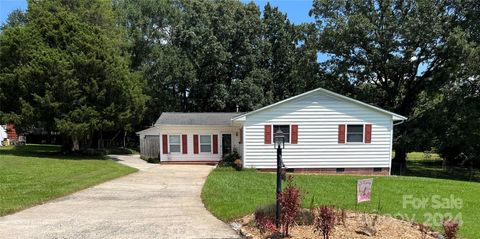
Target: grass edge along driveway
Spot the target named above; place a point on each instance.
(33, 174)
(229, 194)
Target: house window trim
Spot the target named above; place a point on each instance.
(289, 132)
(363, 134)
(200, 143)
(170, 142)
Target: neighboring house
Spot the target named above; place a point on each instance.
(3, 133)
(324, 132)
(11, 132)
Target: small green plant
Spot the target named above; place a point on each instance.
(324, 221)
(341, 216)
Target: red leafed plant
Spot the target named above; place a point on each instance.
(291, 204)
(324, 221)
(450, 228)
(265, 218)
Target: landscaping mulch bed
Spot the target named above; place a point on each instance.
(386, 228)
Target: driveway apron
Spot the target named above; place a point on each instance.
(159, 201)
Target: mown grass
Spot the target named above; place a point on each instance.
(414, 156)
(33, 174)
(229, 194)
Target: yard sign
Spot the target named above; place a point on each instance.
(364, 190)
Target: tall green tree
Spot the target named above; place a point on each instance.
(68, 66)
(217, 55)
(395, 49)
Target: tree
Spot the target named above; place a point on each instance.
(397, 49)
(68, 65)
(217, 55)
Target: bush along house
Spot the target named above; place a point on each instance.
(324, 132)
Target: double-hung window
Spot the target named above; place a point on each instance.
(355, 133)
(205, 143)
(285, 129)
(174, 141)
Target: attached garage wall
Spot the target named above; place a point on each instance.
(318, 117)
(150, 146)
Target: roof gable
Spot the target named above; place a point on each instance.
(327, 92)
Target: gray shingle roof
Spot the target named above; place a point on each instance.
(176, 118)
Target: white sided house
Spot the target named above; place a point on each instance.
(324, 132)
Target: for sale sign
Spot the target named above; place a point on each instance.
(364, 190)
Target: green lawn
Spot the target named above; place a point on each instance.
(422, 156)
(229, 194)
(32, 174)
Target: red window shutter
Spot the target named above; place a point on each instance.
(215, 144)
(195, 144)
(165, 144)
(184, 144)
(368, 133)
(294, 134)
(268, 134)
(241, 136)
(341, 134)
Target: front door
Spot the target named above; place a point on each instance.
(226, 144)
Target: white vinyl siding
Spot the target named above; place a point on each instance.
(199, 130)
(318, 116)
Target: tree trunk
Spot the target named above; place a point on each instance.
(399, 162)
(76, 144)
(124, 139)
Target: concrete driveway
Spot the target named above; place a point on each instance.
(159, 201)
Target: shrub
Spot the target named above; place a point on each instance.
(290, 202)
(265, 218)
(238, 164)
(93, 152)
(324, 221)
(229, 160)
(151, 160)
(450, 228)
(119, 151)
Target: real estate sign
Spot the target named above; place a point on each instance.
(364, 190)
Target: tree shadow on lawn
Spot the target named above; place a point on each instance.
(433, 169)
(45, 151)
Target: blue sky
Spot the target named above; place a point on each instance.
(297, 11)
(7, 6)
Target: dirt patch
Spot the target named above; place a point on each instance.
(385, 227)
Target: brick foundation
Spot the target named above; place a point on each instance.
(333, 171)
